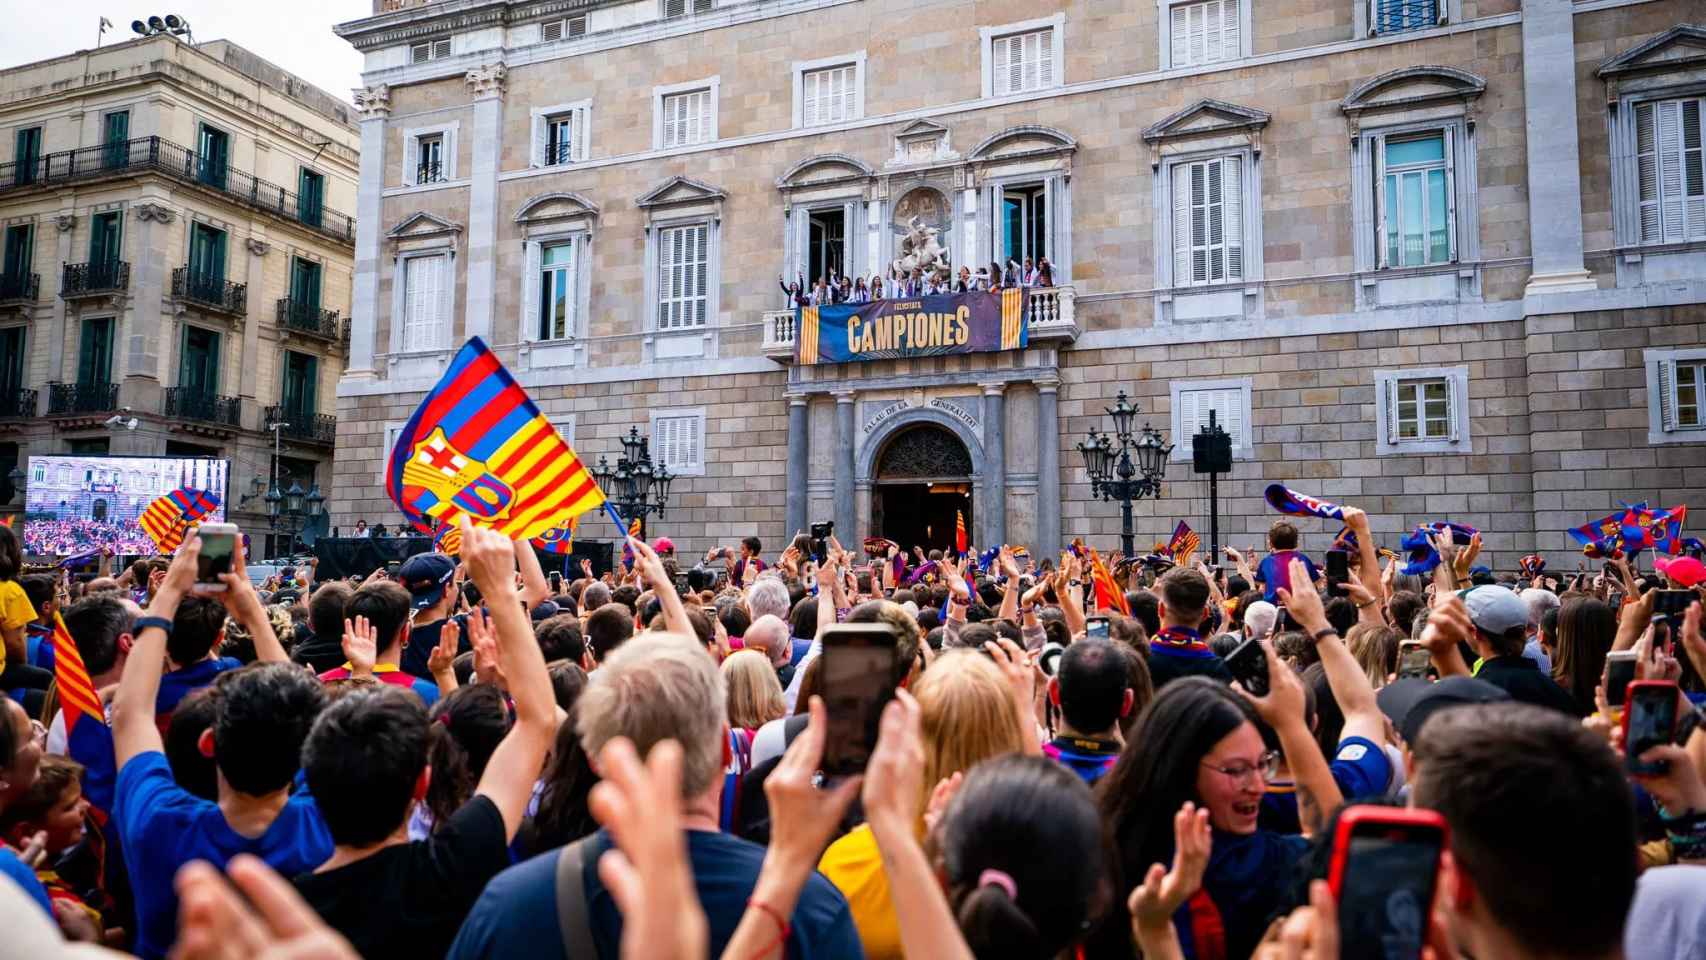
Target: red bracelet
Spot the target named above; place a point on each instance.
(781, 923)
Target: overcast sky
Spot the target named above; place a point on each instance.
(295, 34)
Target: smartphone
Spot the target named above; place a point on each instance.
(1672, 603)
(1338, 572)
(1619, 674)
(392, 567)
(1384, 866)
(1248, 663)
(1649, 720)
(1413, 660)
(856, 681)
(1096, 628)
(218, 545)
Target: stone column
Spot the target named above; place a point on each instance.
(991, 528)
(150, 279)
(1048, 469)
(844, 513)
(67, 224)
(1554, 171)
(258, 308)
(486, 85)
(374, 105)
(799, 462)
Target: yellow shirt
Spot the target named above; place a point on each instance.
(16, 611)
(855, 866)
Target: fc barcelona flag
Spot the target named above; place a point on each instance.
(479, 447)
(960, 532)
(89, 740)
(169, 517)
(449, 540)
(560, 539)
(1184, 543)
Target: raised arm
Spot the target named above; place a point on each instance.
(1317, 793)
(243, 603)
(1369, 561)
(674, 614)
(534, 588)
(134, 731)
(1348, 681)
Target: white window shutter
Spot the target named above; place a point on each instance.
(1647, 165)
(1377, 149)
(809, 98)
(1198, 31)
(1231, 47)
(705, 134)
(1199, 222)
(1211, 30)
(1667, 395)
(1451, 194)
(1045, 59)
(540, 125)
(1179, 34)
(701, 263)
(1373, 17)
(571, 293)
(1190, 411)
(1231, 411)
(1670, 168)
(1454, 400)
(849, 78)
(531, 328)
(1392, 410)
(1181, 183)
(1232, 202)
(411, 159)
(998, 66)
(441, 319)
(1693, 172)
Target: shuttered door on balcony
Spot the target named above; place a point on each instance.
(95, 353)
(199, 374)
(115, 136)
(301, 376)
(305, 288)
(103, 241)
(207, 260)
(19, 254)
(11, 365)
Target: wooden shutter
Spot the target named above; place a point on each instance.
(1392, 410)
(440, 49)
(1000, 64)
(1693, 172)
(1451, 251)
(1670, 169)
(1045, 59)
(666, 273)
(1377, 152)
(703, 99)
(1178, 34)
(551, 30)
(1232, 205)
(1647, 171)
(1453, 399)
(576, 26)
(1230, 46)
(1181, 183)
(1667, 395)
(810, 98)
(532, 284)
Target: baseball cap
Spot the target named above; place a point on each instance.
(425, 576)
(1408, 703)
(1682, 571)
(663, 545)
(1495, 610)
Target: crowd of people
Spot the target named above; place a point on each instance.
(63, 538)
(471, 759)
(918, 282)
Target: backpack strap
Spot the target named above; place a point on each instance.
(572, 917)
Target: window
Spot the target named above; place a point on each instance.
(688, 118)
(429, 154)
(1024, 223)
(680, 8)
(213, 156)
(1396, 16)
(1422, 411)
(560, 133)
(1208, 221)
(19, 258)
(198, 373)
(301, 380)
(25, 155)
(1023, 62)
(105, 237)
(393, 431)
(1229, 400)
(557, 291)
(1676, 384)
(12, 354)
(683, 261)
(310, 196)
(116, 136)
(678, 441)
(424, 288)
(559, 139)
(1672, 170)
(433, 50)
(305, 289)
(1415, 202)
(429, 162)
(553, 30)
(95, 352)
(1201, 33)
(828, 95)
(207, 262)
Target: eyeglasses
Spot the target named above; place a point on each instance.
(1267, 765)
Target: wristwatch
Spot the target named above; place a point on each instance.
(1323, 634)
(143, 623)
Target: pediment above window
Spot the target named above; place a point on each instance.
(1677, 54)
(1024, 142)
(824, 169)
(922, 141)
(1203, 125)
(424, 227)
(551, 207)
(1414, 93)
(679, 190)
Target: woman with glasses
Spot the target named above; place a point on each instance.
(1198, 741)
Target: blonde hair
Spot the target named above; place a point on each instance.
(1375, 647)
(967, 717)
(754, 691)
(656, 687)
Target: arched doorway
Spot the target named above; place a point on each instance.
(100, 510)
(923, 478)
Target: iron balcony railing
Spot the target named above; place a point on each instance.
(559, 153)
(309, 318)
(19, 286)
(429, 172)
(212, 292)
(301, 425)
(94, 397)
(145, 154)
(190, 403)
(93, 278)
(17, 404)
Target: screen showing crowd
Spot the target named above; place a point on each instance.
(75, 504)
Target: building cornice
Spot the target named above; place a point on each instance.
(433, 20)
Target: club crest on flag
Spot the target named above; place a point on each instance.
(438, 473)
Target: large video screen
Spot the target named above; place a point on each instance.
(75, 504)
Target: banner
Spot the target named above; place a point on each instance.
(918, 327)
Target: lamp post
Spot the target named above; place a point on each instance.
(635, 486)
(1123, 466)
(289, 511)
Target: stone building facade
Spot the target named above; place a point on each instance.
(1420, 255)
(178, 255)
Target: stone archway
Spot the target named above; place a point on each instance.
(922, 484)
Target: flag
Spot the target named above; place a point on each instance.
(960, 532)
(1638, 527)
(449, 540)
(78, 559)
(7, 520)
(1286, 500)
(560, 539)
(1423, 557)
(1532, 565)
(88, 738)
(634, 527)
(479, 447)
(1108, 593)
(168, 518)
(1184, 543)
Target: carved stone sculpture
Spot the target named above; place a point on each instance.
(921, 249)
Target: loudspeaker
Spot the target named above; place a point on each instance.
(1211, 453)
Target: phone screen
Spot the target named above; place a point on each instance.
(1096, 628)
(1387, 892)
(1338, 571)
(1413, 661)
(1249, 666)
(1619, 673)
(857, 681)
(1652, 722)
(1672, 603)
(215, 556)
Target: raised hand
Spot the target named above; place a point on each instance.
(361, 646)
(261, 918)
(1164, 891)
(443, 654)
(489, 557)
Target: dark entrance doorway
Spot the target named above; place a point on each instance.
(923, 479)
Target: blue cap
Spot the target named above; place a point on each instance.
(425, 575)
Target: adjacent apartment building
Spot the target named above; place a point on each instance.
(178, 250)
(1445, 259)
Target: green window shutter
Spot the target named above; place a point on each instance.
(310, 380)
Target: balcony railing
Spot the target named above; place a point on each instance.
(189, 403)
(17, 404)
(152, 154)
(93, 279)
(308, 318)
(212, 293)
(429, 173)
(73, 398)
(19, 287)
(1050, 312)
(304, 426)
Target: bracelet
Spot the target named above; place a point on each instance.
(1323, 634)
(1370, 603)
(1686, 833)
(781, 924)
(143, 623)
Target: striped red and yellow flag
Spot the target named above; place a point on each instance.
(1184, 543)
(1013, 318)
(7, 520)
(449, 540)
(960, 532)
(77, 696)
(806, 335)
(168, 517)
(634, 527)
(1108, 593)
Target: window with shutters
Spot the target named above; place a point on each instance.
(687, 117)
(681, 8)
(1208, 221)
(1397, 16)
(560, 133)
(1671, 170)
(1022, 62)
(678, 441)
(569, 27)
(1415, 205)
(431, 50)
(425, 301)
(1676, 387)
(429, 154)
(429, 160)
(1206, 32)
(683, 276)
(1229, 400)
(557, 290)
(827, 95)
(1422, 411)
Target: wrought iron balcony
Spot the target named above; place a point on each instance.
(211, 293)
(93, 279)
(299, 317)
(152, 154)
(19, 287)
(74, 398)
(429, 173)
(188, 403)
(17, 404)
(303, 426)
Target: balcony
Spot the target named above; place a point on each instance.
(154, 155)
(429, 173)
(19, 287)
(17, 404)
(95, 279)
(1050, 310)
(302, 426)
(294, 316)
(74, 399)
(189, 403)
(210, 293)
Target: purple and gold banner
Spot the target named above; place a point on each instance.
(916, 327)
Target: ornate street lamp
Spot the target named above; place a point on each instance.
(636, 486)
(1123, 466)
(290, 511)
